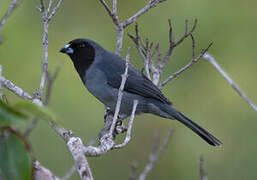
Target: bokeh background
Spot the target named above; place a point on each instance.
(200, 92)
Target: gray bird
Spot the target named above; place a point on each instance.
(100, 72)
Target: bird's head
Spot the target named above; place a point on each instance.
(82, 52)
(80, 49)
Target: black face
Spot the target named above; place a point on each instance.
(82, 53)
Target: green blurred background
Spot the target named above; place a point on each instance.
(201, 93)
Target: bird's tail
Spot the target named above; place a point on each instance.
(209, 138)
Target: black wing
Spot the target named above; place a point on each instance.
(137, 82)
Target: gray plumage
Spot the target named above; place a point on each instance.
(101, 70)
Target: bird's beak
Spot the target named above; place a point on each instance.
(67, 49)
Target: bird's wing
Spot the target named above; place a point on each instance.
(137, 82)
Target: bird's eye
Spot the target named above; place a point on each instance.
(82, 45)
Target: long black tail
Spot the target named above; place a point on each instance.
(197, 129)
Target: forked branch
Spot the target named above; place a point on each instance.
(120, 26)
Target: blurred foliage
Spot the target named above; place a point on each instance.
(9, 115)
(15, 159)
(16, 163)
(200, 92)
(32, 109)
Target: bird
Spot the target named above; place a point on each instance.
(101, 73)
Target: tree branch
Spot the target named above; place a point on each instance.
(70, 173)
(151, 4)
(192, 62)
(76, 148)
(133, 174)
(121, 26)
(46, 19)
(213, 62)
(50, 80)
(123, 81)
(12, 7)
(15, 89)
(203, 175)
(128, 135)
(42, 173)
(147, 56)
(156, 153)
(1, 91)
(55, 9)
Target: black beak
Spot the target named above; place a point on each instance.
(63, 50)
(67, 50)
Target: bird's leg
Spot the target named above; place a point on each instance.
(120, 128)
(108, 118)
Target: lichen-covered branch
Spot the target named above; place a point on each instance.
(15, 89)
(42, 173)
(76, 148)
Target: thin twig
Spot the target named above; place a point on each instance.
(123, 81)
(114, 9)
(31, 126)
(128, 135)
(155, 154)
(203, 175)
(46, 19)
(151, 4)
(175, 44)
(49, 6)
(133, 171)
(50, 80)
(45, 59)
(55, 9)
(146, 55)
(1, 91)
(12, 7)
(193, 61)
(193, 45)
(107, 8)
(42, 6)
(70, 173)
(235, 86)
(186, 33)
(121, 26)
(143, 51)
